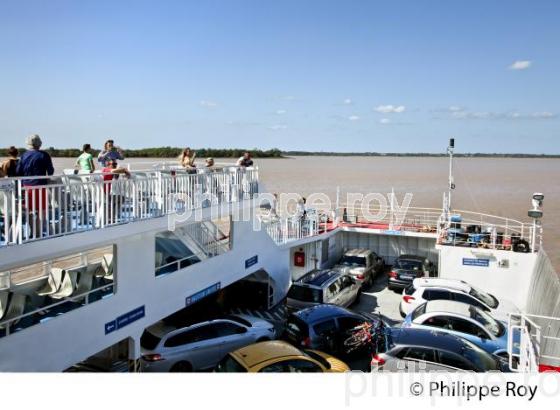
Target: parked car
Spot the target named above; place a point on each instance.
(424, 289)
(323, 286)
(199, 346)
(363, 264)
(420, 350)
(323, 327)
(463, 320)
(407, 268)
(279, 357)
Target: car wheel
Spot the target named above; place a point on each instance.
(181, 367)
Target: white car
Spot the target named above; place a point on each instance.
(426, 289)
(200, 346)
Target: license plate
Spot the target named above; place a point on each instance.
(407, 277)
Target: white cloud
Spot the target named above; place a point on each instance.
(278, 127)
(347, 101)
(280, 112)
(543, 114)
(353, 118)
(456, 108)
(388, 109)
(491, 115)
(208, 104)
(384, 121)
(520, 65)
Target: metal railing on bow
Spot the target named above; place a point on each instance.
(461, 228)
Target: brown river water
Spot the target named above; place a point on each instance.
(497, 186)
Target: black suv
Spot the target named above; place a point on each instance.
(323, 327)
(407, 268)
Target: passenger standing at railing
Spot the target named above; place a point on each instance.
(85, 160)
(35, 162)
(8, 167)
(209, 165)
(110, 152)
(186, 159)
(114, 200)
(245, 161)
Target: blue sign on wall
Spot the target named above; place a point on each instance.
(202, 294)
(476, 262)
(125, 320)
(253, 260)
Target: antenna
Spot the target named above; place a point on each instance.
(451, 186)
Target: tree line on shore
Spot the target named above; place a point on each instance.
(173, 152)
(162, 152)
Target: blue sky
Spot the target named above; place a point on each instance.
(303, 75)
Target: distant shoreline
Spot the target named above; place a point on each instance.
(173, 152)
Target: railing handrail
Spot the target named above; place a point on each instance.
(224, 170)
(67, 299)
(74, 203)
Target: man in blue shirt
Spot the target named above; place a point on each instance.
(109, 153)
(34, 162)
(36, 199)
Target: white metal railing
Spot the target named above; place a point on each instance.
(533, 342)
(477, 229)
(67, 204)
(6, 326)
(207, 237)
(288, 229)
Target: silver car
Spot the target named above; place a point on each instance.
(199, 346)
(323, 286)
(363, 264)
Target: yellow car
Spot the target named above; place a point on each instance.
(279, 357)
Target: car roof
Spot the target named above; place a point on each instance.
(261, 352)
(428, 338)
(358, 252)
(318, 278)
(411, 258)
(316, 313)
(454, 284)
(449, 306)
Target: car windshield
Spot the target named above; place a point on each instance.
(482, 360)
(149, 341)
(353, 261)
(487, 321)
(237, 319)
(407, 264)
(318, 358)
(305, 293)
(229, 365)
(420, 310)
(296, 328)
(485, 298)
